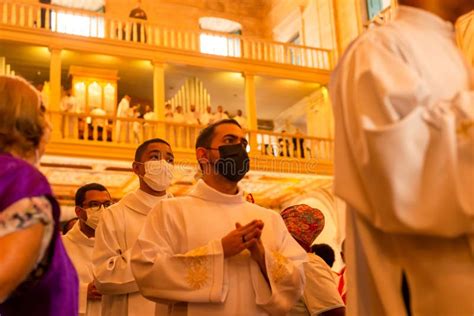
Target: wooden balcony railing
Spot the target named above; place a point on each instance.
(129, 132)
(51, 18)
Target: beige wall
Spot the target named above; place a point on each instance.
(280, 9)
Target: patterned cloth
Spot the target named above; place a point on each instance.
(304, 223)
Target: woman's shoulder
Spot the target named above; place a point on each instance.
(19, 179)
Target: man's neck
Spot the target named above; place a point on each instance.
(86, 230)
(221, 184)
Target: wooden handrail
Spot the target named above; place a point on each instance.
(110, 129)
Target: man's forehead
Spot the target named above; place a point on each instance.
(96, 195)
(161, 147)
(228, 129)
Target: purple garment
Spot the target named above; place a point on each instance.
(56, 291)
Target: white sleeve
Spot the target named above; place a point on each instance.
(111, 260)
(285, 273)
(414, 155)
(320, 294)
(164, 274)
(83, 297)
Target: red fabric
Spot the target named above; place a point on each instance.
(341, 286)
(304, 223)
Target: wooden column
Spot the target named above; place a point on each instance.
(251, 110)
(55, 90)
(159, 95)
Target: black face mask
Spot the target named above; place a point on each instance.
(234, 162)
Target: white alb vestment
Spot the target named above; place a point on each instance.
(79, 247)
(404, 109)
(122, 127)
(241, 120)
(179, 257)
(117, 232)
(69, 105)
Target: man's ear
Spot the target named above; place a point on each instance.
(135, 168)
(80, 213)
(202, 156)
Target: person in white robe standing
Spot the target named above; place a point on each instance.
(403, 96)
(122, 127)
(213, 253)
(69, 106)
(91, 200)
(240, 119)
(120, 226)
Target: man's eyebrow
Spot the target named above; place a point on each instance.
(230, 135)
(154, 151)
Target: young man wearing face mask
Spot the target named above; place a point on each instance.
(120, 226)
(91, 200)
(213, 253)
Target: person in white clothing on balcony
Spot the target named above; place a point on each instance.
(122, 127)
(120, 226)
(213, 253)
(206, 117)
(241, 119)
(91, 200)
(69, 106)
(149, 128)
(219, 115)
(403, 96)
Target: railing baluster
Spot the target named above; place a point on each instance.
(143, 33)
(127, 31)
(13, 20)
(5, 13)
(22, 15)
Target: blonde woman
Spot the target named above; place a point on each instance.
(36, 275)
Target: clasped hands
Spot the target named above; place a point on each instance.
(245, 237)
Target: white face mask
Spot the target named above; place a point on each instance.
(93, 216)
(158, 174)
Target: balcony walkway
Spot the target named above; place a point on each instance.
(45, 25)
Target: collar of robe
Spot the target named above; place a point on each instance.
(204, 192)
(142, 202)
(76, 235)
(424, 19)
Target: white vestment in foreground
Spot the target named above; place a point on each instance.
(79, 249)
(178, 257)
(404, 109)
(115, 236)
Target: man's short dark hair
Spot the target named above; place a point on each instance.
(141, 149)
(205, 136)
(81, 192)
(325, 252)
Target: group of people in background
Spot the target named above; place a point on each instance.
(74, 119)
(208, 253)
(403, 98)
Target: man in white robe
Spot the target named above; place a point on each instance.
(404, 163)
(91, 200)
(122, 127)
(70, 106)
(213, 253)
(219, 115)
(206, 118)
(119, 228)
(241, 119)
